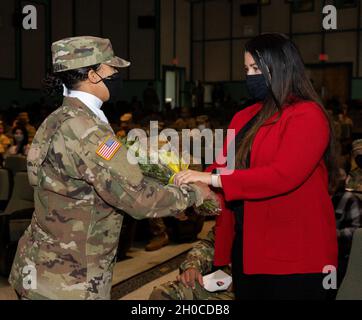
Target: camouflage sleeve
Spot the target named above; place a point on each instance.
(122, 184)
(354, 180)
(201, 256)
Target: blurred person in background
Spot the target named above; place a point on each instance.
(346, 124)
(5, 141)
(126, 125)
(185, 121)
(203, 122)
(342, 159)
(197, 96)
(346, 138)
(136, 108)
(348, 207)
(20, 144)
(151, 101)
(218, 95)
(24, 121)
(354, 179)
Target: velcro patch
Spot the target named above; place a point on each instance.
(108, 148)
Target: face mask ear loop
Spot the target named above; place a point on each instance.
(102, 79)
(98, 76)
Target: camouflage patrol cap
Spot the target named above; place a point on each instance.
(357, 147)
(78, 52)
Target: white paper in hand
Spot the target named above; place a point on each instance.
(217, 281)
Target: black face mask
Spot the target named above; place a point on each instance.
(114, 85)
(257, 87)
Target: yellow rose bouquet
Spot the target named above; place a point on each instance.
(164, 170)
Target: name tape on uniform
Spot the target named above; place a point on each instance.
(108, 148)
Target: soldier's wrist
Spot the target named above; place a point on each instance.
(198, 197)
(190, 265)
(190, 195)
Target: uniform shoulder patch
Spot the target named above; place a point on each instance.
(108, 148)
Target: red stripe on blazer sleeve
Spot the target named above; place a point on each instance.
(304, 141)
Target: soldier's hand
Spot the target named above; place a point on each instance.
(205, 190)
(189, 277)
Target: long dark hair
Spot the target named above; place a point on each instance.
(53, 83)
(280, 62)
(25, 141)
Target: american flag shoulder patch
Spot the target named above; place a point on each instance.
(108, 148)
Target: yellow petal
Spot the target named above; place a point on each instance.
(172, 179)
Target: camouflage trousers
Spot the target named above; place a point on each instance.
(175, 290)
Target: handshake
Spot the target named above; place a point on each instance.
(171, 169)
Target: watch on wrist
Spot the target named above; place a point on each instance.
(215, 180)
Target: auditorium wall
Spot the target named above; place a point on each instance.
(219, 32)
(27, 52)
(206, 37)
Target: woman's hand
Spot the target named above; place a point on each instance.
(189, 277)
(189, 176)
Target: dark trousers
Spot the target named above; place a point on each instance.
(279, 287)
(274, 287)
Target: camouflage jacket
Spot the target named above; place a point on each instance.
(201, 256)
(354, 181)
(73, 236)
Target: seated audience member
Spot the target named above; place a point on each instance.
(126, 125)
(189, 284)
(203, 122)
(24, 121)
(185, 121)
(346, 123)
(20, 143)
(348, 208)
(354, 179)
(4, 140)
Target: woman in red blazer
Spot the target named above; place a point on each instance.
(277, 226)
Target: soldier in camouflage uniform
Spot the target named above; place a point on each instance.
(354, 180)
(200, 259)
(348, 210)
(83, 184)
